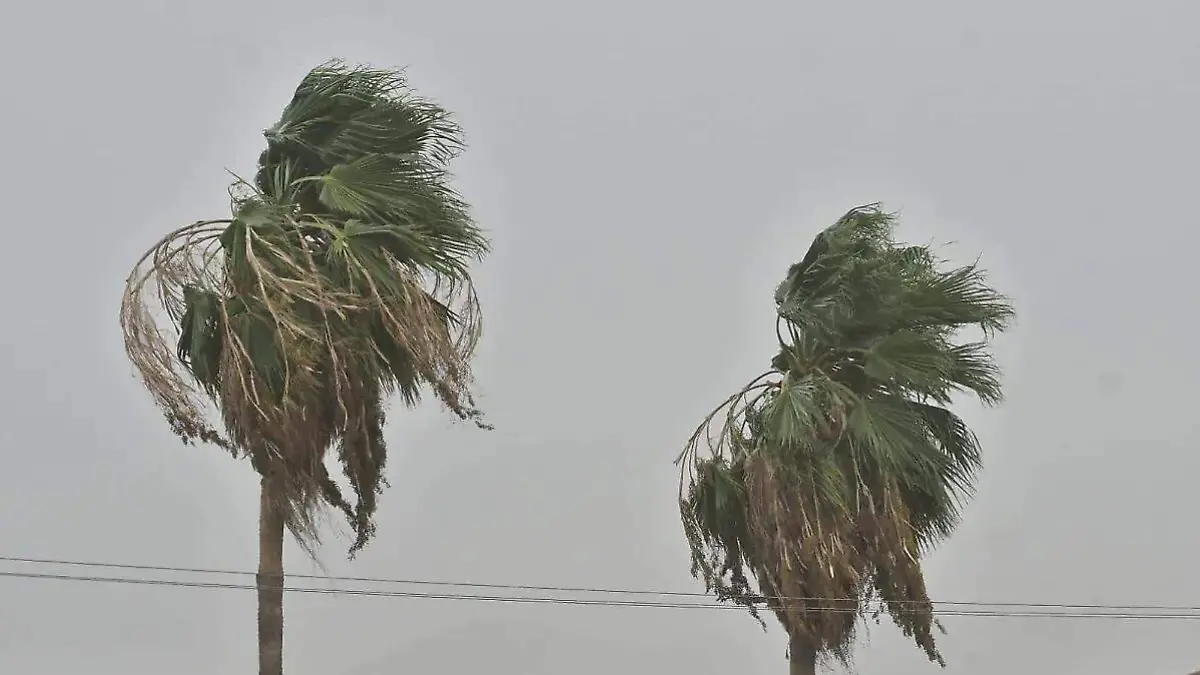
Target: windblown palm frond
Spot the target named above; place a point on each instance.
(341, 277)
(828, 476)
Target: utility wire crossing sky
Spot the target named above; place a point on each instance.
(1048, 610)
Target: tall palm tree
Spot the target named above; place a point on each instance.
(341, 278)
(826, 478)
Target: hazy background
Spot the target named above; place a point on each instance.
(648, 170)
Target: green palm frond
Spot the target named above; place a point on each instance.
(849, 461)
(343, 276)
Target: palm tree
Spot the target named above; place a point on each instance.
(341, 278)
(827, 477)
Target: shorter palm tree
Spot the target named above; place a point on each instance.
(827, 477)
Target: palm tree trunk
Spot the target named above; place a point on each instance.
(802, 658)
(270, 583)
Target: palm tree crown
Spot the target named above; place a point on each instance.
(827, 477)
(341, 277)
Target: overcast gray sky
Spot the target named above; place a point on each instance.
(648, 170)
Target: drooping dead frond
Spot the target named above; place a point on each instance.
(181, 260)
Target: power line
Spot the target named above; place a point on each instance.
(355, 591)
(563, 589)
(1089, 611)
(562, 601)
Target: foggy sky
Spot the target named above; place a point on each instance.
(647, 170)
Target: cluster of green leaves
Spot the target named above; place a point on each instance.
(343, 276)
(833, 472)
(354, 146)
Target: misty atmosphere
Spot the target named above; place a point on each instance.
(647, 173)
